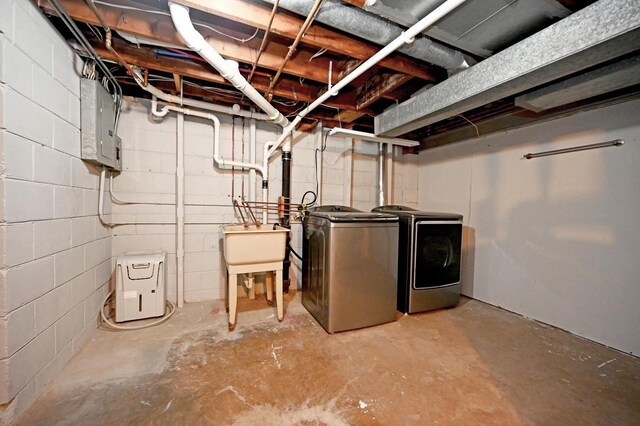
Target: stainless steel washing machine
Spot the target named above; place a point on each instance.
(350, 262)
(429, 258)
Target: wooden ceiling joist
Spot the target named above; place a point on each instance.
(348, 116)
(177, 80)
(161, 28)
(378, 86)
(146, 58)
(257, 16)
(287, 88)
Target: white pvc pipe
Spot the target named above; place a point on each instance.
(197, 104)
(228, 69)
(252, 159)
(389, 172)
(406, 37)
(216, 134)
(265, 178)
(180, 209)
(381, 175)
(263, 170)
(101, 199)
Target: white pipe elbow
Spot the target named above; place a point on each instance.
(227, 69)
(182, 22)
(154, 108)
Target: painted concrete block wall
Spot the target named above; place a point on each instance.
(54, 255)
(347, 173)
(555, 238)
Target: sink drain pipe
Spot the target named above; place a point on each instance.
(284, 221)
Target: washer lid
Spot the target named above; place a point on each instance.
(355, 217)
(333, 208)
(404, 211)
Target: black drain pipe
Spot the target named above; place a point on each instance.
(284, 220)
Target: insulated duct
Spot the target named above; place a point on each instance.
(378, 30)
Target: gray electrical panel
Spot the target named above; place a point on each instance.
(100, 144)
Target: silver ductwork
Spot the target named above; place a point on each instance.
(378, 30)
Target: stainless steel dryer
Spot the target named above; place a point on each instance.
(350, 262)
(429, 258)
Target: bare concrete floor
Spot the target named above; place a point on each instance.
(474, 364)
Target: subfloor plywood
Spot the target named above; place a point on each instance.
(473, 364)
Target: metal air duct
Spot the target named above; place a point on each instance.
(378, 30)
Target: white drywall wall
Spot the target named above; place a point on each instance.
(555, 238)
(55, 257)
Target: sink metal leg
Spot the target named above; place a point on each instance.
(269, 285)
(279, 294)
(233, 300)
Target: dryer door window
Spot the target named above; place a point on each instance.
(437, 251)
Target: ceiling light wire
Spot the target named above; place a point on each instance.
(470, 122)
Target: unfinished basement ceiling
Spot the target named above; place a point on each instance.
(145, 38)
(478, 27)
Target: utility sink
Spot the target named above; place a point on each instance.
(254, 245)
(249, 249)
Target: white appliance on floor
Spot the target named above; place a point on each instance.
(140, 286)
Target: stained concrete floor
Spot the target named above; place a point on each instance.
(474, 364)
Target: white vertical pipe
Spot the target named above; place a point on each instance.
(348, 172)
(265, 178)
(103, 221)
(389, 172)
(381, 174)
(180, 209)
(252, 159)
(319, 140)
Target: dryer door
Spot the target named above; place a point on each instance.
(436, 252)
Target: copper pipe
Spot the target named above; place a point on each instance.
(292, 48)
(237, 206)
(256, 221)
(108, 45)
(265, 39)
(273, 209)
(124, 63)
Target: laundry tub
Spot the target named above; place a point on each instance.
(251, 249)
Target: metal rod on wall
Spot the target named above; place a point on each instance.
(616, 142)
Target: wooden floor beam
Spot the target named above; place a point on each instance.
(285, 25)
(161, 28)
(287, 88)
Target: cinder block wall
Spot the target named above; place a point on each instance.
(54, 254)
(348, 177)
